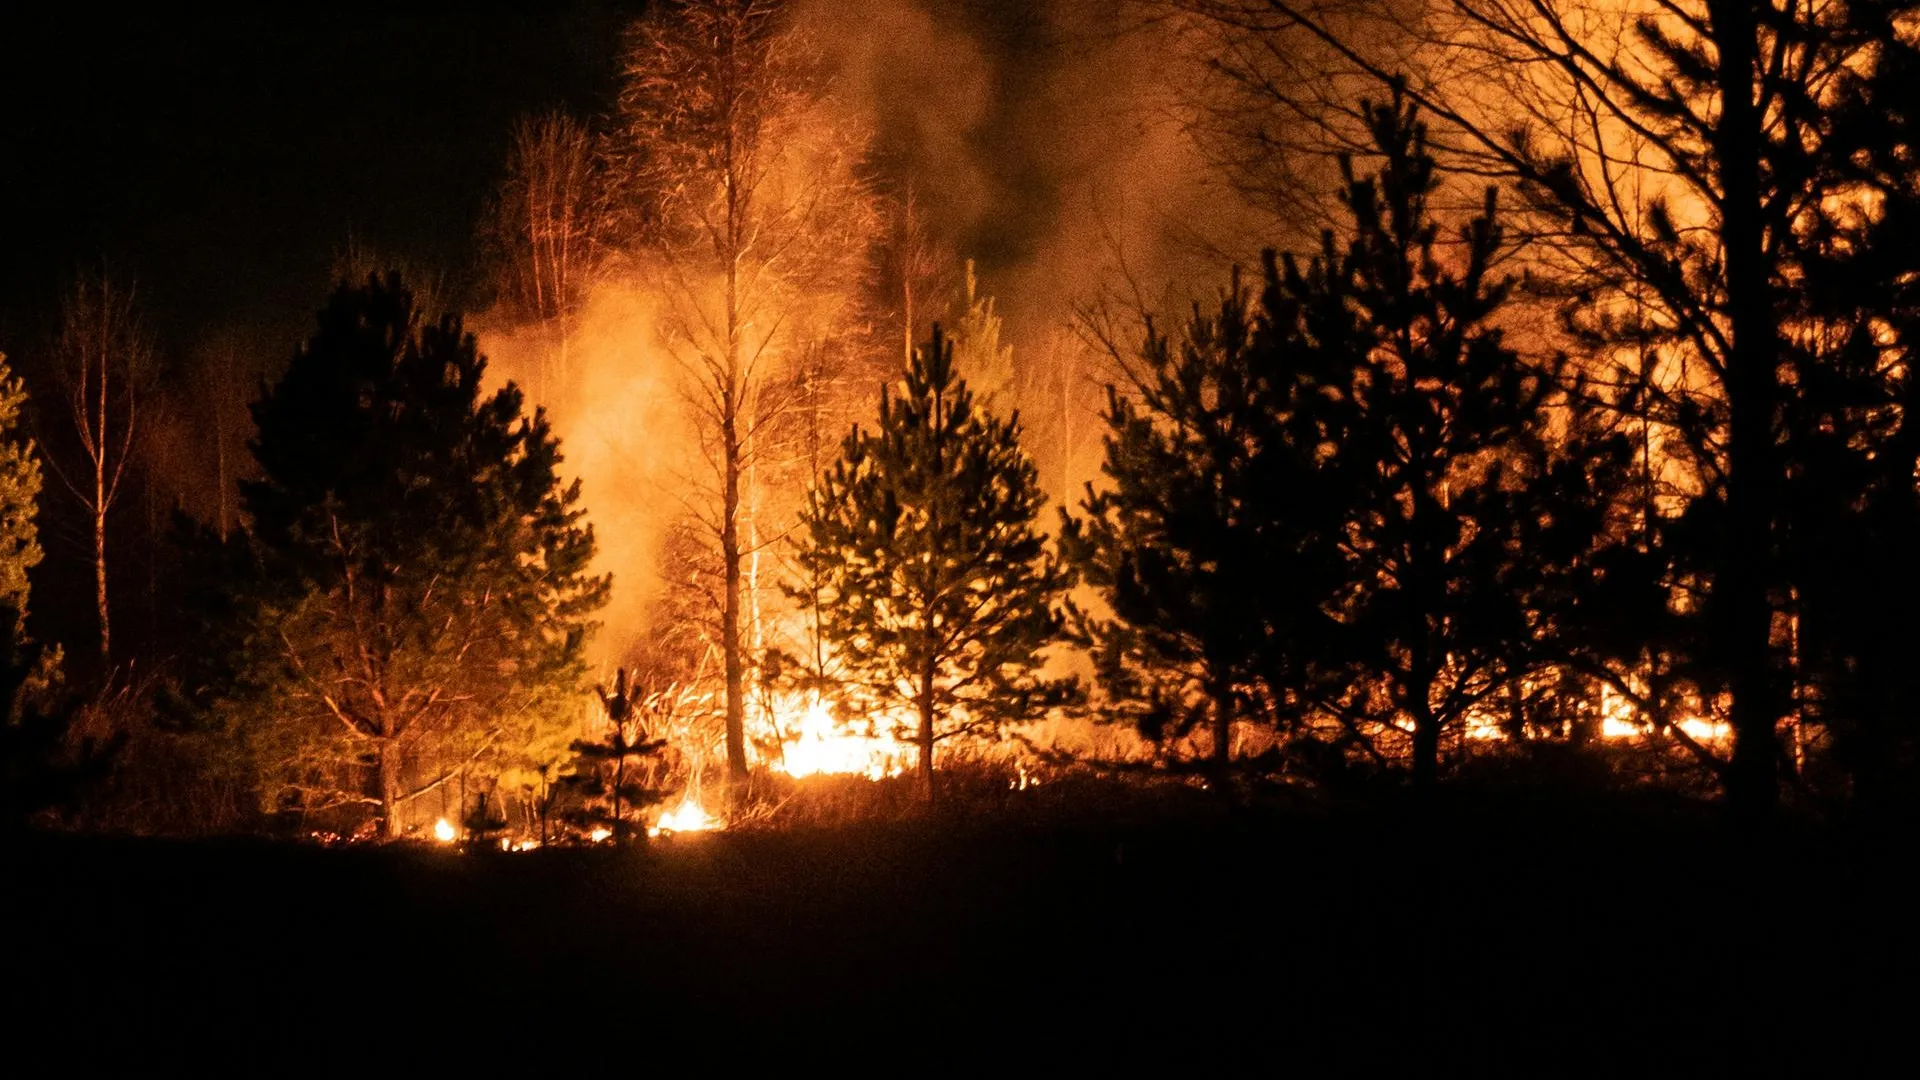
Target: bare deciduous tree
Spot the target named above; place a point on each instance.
(736, 180)
(105, 363)
(546, 233)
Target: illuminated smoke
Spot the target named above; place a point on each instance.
(624, 435)
(1036, 140)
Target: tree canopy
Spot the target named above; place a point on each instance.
(421, 592)
(925, 564)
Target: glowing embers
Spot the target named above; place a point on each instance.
(814, 744)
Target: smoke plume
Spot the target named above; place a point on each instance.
(1049, 142)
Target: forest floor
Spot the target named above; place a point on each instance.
(1312, 943)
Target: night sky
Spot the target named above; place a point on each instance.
(222, 160)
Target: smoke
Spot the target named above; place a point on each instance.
(623, 432)
(1050, 142)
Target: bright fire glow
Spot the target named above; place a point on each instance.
(815, 745)
(1618, 727)
(1706, 731)
(600, 835)
(689, 816)
(443, 831)
(1619, 720)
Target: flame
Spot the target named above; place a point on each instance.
(819, 746)
(443, 831)
(600, 835)
(689, 816)
(1706, 731)
(1620, 720)
(1618, 727)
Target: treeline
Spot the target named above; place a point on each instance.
(1606, 482)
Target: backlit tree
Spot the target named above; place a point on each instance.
(1195, 540)
(40, 766)
(1675, 165)
(415, 587)
(737, 187)
(612, 776)
(926, 565)
(19, 495)
(106, 367)
(546, 233)
(1356, 505)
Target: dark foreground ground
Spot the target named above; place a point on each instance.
(1425, 942)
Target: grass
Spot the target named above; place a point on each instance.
(1467, 936)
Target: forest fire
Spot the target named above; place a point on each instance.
(815, 744)
(733, 326)
(688, 817)
(650, 527)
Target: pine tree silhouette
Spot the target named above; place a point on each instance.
(608, 775)
(932, 582)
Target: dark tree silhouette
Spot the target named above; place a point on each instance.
(1197, 542)
(1678, 166)
(924, 565)
(481, 825)
(1851, 447)
(1361, 506)
(415, 585)
(609, 776)
(43, 766)
(1472, 487)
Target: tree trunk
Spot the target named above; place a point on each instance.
(100, 514)
(1222, 739)
(730, 644)
(619, 784)
(100, 571)
(925, 736)
(389, 788)
(1745, 613)
(733, 451)
(1426, 750)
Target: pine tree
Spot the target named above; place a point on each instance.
(1682, 169)
(482, 826)
(1195, 542)
(415, 590)
(19, 495)
(936, 588)
(1358, 506)
(1850, 508)
(610, 775)
(40, 768)
(1477, 492)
